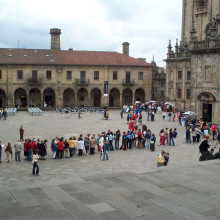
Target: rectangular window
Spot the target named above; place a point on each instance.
(161, 93)
(179, 93)
(188, 75)
(82, 76)
(179, 75)
(128, 98)
(115, 75)
(140, 76)
(0, 74)
(162, 84)
(68, 75)
(20, 74)
(48, 74)
(188, 93)
(34, 75)
(128, 76)
(96, 75)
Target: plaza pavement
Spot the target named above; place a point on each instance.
(128, 186)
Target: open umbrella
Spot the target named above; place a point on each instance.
(169, 103)
(150, 102)
(189, 113)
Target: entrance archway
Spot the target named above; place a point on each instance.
(114, 98)
(207, 100)
(2, 98)
(20, 97)
(82, 96)
(49, 97)
(127, 97)
(34, 98)
(95, 97)
(69, 98)
(140, 95)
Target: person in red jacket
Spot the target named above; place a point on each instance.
(60, 147)
(213, 131)
(30, 150)
(133, 117)
(34, 146)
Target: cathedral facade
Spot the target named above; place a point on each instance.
(193, 64)
(32, 77)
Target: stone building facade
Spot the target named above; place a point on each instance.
(30, 77)
(192, 67)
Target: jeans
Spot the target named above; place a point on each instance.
(172, 140)
(169, 118)
(188, 139)
(147, 144)
(116, 144)
(105, 153)
(110, 145)
(80, 152)
(35, 166)
(30, 153)
(18, 156)
(130, 144)
(148, 117)
(71, 151)
(60, 154)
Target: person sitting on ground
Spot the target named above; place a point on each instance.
(203, 148)
(160, 159)
(166, 158)
(217, 154)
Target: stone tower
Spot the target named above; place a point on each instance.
(192, 67)
(125, 47)
(55, 38)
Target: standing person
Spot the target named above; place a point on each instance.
(128, 117)
(194, 135)
(162, 135)
(198, 133)
(0, 151)
(117, 138)
(75, 141)
(218, 140)
(169, 116)
(171, 137)
(25, 149)
(92, 145)
(140, 139)
(110, 139)
(105, 150)
(54, 148)
(71, 146)
(152, 142)
(79, 114)
(18, 148)
(86, 144)
(66, 149)
(80, 146)
(147, 136)
(97, 142)
(166, 132)
(164, 115)
(30, 150)
(60, 147)
(35, 164)
(214, 131)
(8, 151)
(121, 113)
(188, 135)
(21, 131)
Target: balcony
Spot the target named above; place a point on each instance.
(206, 46)
(80, 82)
(127, 82)
(33, 81)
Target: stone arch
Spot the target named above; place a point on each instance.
(205, 106)
(20, 98)
(127, 95)
(34, 98)
(69, 98)
(49, 97)
(95, 97)
(114, 97)
(2, 98)
(140, 95)
(82, 97)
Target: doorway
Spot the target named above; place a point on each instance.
(207, 112)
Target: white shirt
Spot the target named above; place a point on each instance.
(80, 145)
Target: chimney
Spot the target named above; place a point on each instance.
(125, 48)
(55, 38)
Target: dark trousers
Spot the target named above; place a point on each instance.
(92, 151)
(80, 152)
(18, 156)
(71, 151)
(197, 137)
(21, 137)
(87, 149)
(0, 156)
(34, 167)
(60, 154)
(110, 145)
(194, 139)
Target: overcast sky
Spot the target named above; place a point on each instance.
(100, 25)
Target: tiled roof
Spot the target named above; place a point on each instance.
(67, 57)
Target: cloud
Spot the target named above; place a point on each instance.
(93, 24)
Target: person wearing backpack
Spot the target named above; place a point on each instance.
(152, 142)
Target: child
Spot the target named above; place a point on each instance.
(166, 158)
(35, 164)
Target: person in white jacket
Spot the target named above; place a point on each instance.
(80, 146)
(35, 164)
